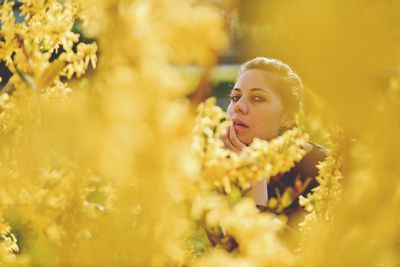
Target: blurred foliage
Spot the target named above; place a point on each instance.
(97, 171)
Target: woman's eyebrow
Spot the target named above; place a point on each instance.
(254, 89)
(260, 89)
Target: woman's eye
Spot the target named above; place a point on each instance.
(258, 98)
(234, 98)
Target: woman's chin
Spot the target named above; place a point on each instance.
(245, 139)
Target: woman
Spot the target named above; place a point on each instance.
(265, 100)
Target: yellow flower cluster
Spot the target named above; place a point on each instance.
(260, 160)
(8, 242)
(42, 29)
(241, 224)
(321, 200)
(36, 177)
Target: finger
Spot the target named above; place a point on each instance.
(228, 144)
(234, 140)
(225, 133)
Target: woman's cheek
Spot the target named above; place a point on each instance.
(228, 112)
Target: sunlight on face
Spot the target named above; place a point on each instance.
(255, 108)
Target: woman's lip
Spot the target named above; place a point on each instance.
(240, 127)
(238, 122)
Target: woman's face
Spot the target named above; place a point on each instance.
(255, 108)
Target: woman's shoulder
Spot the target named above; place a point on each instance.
(307, 166)
(300, 180)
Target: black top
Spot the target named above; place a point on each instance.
(284, 189)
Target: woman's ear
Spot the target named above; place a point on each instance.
(287, 120)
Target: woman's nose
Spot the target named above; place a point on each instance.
(241, 106)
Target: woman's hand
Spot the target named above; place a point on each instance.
(258, 189)
(231, 141)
